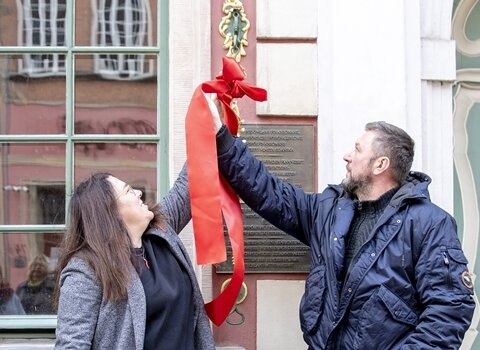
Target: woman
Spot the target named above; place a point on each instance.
(37, 291)
(126, 281)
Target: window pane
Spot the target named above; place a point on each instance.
(116, 66)
(9, 18)
(33, 183)
(30, 106)
(106, 106)
(116, 23)
(33, 23)
(27, 265)
(133, 163)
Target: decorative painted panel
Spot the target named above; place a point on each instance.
(466, 132)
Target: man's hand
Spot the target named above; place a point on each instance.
(216, 109)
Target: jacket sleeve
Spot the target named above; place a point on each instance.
(444, 289)
(282, 204)
(176, 202)
(78, 308)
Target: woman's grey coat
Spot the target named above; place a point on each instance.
(85, 321)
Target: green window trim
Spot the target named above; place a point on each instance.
(43, 326)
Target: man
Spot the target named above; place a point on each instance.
(387, 268)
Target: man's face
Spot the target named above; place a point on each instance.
(359, 166)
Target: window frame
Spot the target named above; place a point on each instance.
(43, 326)
(142, 68)
(26, 32)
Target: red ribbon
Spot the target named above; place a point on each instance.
(210, 194)
(230, 85)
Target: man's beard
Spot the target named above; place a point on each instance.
(357, 186)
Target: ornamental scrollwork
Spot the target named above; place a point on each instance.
(234, 28)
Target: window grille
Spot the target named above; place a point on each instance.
(124, 23)
(42, 23)
(50, 37)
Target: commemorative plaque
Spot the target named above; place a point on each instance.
(288, 151)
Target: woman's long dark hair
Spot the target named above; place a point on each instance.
(97, 234)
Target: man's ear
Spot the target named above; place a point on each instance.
(381, 164)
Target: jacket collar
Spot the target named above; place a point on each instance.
(414, 187)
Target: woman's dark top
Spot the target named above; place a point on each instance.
(169, 296)
(37, 298)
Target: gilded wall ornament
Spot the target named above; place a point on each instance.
(234, 28)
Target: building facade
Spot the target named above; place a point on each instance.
(105, 85)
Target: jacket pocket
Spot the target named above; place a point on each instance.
(448, 272)
(312, 302)
(398, 309)
(383, 312)
(457, 277)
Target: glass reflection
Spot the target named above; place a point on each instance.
(33, 183)
(97, 23)
(134, 163)
(30, 106)
(116, 23)
(27, 265)
(104, 106)
(33, 23)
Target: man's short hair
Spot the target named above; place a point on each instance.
(394, 143)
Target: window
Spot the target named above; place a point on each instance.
(122, 23)
(42, 24)
(88, 109)
(52, 208)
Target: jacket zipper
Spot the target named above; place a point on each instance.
(372, 234)
(447, 262)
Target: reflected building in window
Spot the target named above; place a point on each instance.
(42, 23)
(123, 23)
(108, 94)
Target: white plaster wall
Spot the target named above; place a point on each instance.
(189, 56)
(437, 75)
(392, 61)
(278, 325)
(279, 19)
(288, 72)
(362, 75)
(288, 69)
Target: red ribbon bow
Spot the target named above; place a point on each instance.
(210, 194)
(230, 85)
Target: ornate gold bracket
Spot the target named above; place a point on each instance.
(234, 28)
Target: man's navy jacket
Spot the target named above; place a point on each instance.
(407, 288)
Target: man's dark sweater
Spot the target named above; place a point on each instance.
(366, 216)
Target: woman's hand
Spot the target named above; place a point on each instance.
(216, 109)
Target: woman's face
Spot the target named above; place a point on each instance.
(38, 270)
(134, 213)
